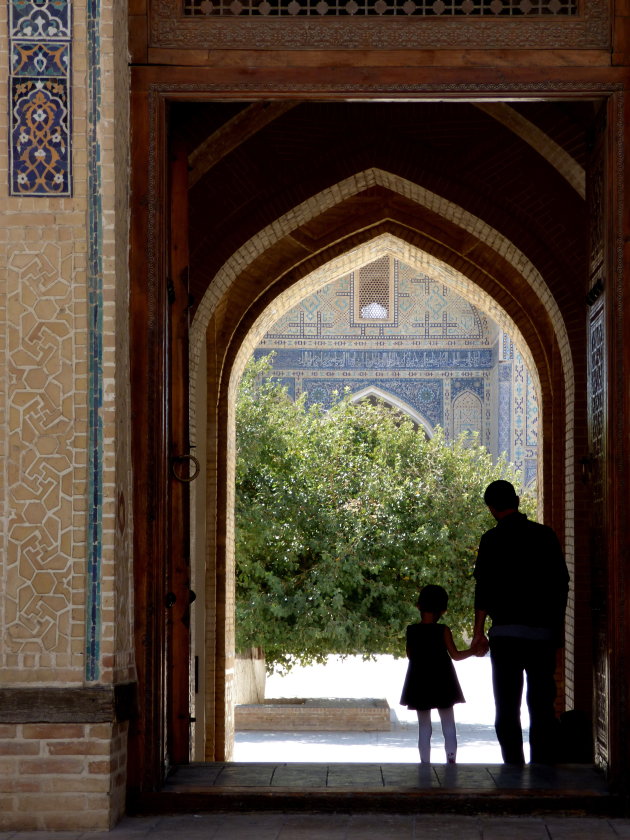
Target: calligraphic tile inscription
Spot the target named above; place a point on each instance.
(39, 83)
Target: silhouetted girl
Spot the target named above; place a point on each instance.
(431, 681)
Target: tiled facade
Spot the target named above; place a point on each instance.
(65, 587)
(436, 356)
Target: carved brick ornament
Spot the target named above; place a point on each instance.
(380, 24)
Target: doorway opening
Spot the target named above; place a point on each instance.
(261, 209)
(438, 360)
(383, 242)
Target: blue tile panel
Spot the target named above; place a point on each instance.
(40, 121)
(433, 335)
(95, 348)
(505, 409)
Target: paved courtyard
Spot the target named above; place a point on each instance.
(381, 678)
(273, 826)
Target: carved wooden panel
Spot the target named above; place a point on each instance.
(444, 9)
(380, 24)
(597, 423)
(599, 558)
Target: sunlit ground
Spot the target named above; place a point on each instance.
(380, 679)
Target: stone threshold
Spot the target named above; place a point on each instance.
(388, 788)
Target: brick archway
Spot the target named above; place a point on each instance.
(494, 263)
(545, 348)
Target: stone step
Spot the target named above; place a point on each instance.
(392, 788)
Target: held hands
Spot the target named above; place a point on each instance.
(479, 645)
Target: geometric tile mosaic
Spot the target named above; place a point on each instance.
(422, 310)
(531, 414)
(505, 408)
(40, 571)
(39, 95)
(467, 413)
(434, 351)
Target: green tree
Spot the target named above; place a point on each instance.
(341, 517)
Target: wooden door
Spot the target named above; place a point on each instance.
(183, 469)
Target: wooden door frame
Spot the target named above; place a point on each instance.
(152, 90)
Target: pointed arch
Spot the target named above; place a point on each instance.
(396, 402)
(269, 274)
(244, 260)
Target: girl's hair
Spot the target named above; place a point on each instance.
(433, 599)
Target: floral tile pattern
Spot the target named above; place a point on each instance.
(39, 89)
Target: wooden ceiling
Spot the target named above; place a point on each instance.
(252, 162)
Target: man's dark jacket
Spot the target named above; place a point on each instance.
(521, 576)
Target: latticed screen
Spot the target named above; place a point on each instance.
(383, 8)
(373, 292)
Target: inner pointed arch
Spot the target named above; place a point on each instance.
(352, 186)
(381, 245)
(395, 402)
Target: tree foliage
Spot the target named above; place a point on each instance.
(341, 517)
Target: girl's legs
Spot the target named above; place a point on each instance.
(447, 718)
(424, 735)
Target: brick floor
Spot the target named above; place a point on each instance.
(274, 826)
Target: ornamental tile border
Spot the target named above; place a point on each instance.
(95, 347)
(40, 123)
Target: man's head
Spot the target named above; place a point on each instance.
(501, 498)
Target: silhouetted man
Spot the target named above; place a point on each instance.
(522, 585)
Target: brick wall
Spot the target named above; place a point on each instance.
(65, 565)
(314, 716)
(61, 777)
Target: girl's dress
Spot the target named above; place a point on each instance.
(431, 681)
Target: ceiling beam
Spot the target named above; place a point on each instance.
(232, 134)
(553, 153)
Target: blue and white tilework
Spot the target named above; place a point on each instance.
(436, 353)
(40, 100)
(505, 408)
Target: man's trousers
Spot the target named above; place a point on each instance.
(512, 658)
